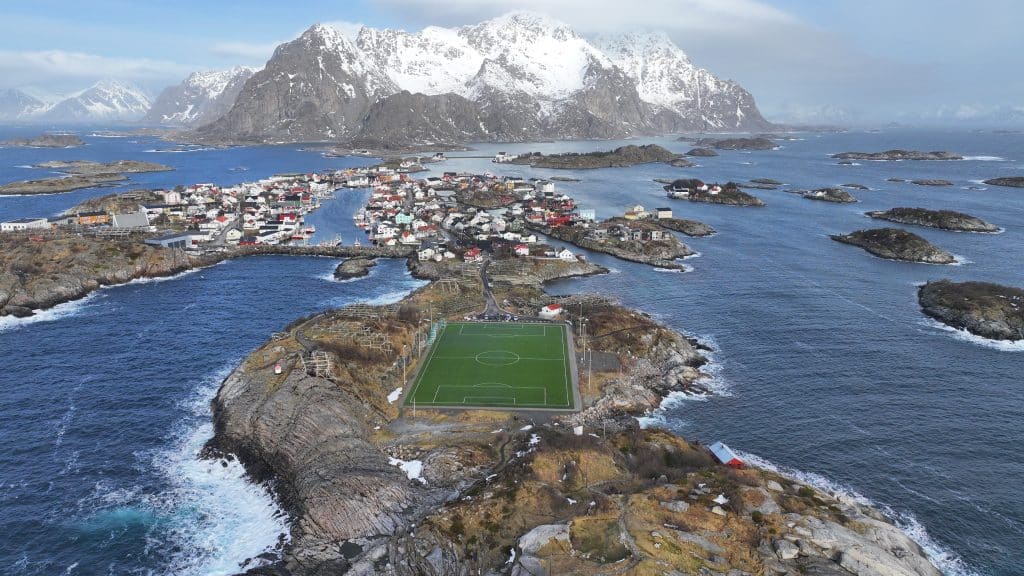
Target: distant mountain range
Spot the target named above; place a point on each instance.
(203, 97)
(104, 102)
(518, 77)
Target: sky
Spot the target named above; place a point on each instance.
(812, 61)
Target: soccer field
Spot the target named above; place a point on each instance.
(475, 364)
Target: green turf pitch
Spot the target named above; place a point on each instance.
(496, 365)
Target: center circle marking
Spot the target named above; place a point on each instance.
(497, 358)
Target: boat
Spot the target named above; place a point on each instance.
(310, 230)
(357, 243)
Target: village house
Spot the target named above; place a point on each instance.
(662, 213)
(24, 224)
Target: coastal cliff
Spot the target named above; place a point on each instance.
(377, 490)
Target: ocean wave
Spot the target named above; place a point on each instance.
(848, 164)
(216, 518)
(177, 150)
(964, 335)
(49, 315)
(946, 560)
(984, 158)
(713, 381)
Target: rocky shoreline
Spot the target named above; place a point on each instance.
(46, 141)
(896, 244)
(983, 309)
(689, 227)
(896, 155)
(621, 157)
(81, 174)
(836, 195)
(941, 219)
(1008, 181)
(659, 253)
(492, 495)
(756, 143)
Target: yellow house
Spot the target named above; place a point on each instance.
(637, 212)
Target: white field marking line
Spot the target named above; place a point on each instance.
(479, 399)
(567, 374)
(521, 358)
(423, 370)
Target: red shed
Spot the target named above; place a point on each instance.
(725, 455)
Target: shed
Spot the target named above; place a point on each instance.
(725, 455)
(551, 311)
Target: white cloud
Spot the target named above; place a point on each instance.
(248, 51)
(63, 69)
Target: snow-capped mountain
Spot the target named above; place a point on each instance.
(201, 98)
(16, 105)
(666, 78)
(520, 76)
(107, 101)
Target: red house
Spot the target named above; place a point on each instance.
(473, 255)
(725, 455)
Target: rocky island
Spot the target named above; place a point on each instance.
(46, 141)
(702, 153)
(896, 244)
(894, 155)
(931, 182)
(942, 219)
(81, 174)
(1009, 181)
(696, 191)
(373, 488)
(354, 268)
(642, 241)
(621, 157)
(983, 309)
(837, 195)
(735, 143)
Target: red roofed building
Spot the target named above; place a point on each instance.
(473, 255)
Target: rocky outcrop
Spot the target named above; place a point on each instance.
(1009, 181)
(896, 244)
(354, 268)
(702, 153)
(621, 157)
(688, 227)
(984, 309)
(49, 270)
(661, 253)
(737, 143)
(837, 195)
(81, 174)
(942, 219)
(46, 141)
(931, 182)
(893, 155)
(312, 438)
(729, 195)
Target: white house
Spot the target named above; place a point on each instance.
(24, 224)
(551, 311)
(567, 255)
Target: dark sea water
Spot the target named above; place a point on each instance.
(824, 365)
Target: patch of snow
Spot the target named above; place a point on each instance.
(395, 395)
(412, 468)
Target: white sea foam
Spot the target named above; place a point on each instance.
(946, 560)
(177, 150)
(964, 335)
(985, 158)
(49, 315)
(218, 518)
(848, 164)
(27, 166)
